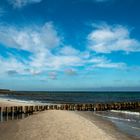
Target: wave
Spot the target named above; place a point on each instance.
(116, 118)
(23, 101)
(136, 128)
(126, 112)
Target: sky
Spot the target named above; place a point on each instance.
(70, 44)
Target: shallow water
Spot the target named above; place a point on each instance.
(127, 122)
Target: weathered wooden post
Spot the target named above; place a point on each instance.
(4, 111)
(15, 110)
(0, 110)
(92, 107)
(106, 107)
(51, 107)
(20, 109)
(31, 109)
(83, 107)
(96, 108)
(88, 107)
(1, 114)
(80, 107)
(65, 107)
(46, 107)
(55, 107)
(26, 109)
(138, 104)
(40, 108)
(36, 108)
(103, 107)
(77, 107)
(10, 112)
(58, 107)
(71, 107)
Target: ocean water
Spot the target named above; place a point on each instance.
(73, 97)
(126, 121)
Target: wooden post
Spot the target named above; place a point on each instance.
(1, 117)
(26, 109)
(31, 109)
(36, 108)
(4, 111)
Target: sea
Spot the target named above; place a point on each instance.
(127, 122)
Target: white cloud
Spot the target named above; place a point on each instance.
(63, 61)
(31, 38)
(47, 52)
(69, 50)
(11, 64)
(22, 3)
(106, 39)
(39, 41)
(110, 65)
(103, 62)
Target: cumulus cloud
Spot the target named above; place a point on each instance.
(31, 39)
(69, 50)
(106, 39)
(22, 3)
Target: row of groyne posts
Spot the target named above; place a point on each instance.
(18, 112)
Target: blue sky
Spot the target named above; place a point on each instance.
(70, 44)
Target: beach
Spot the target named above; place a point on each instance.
(59, 125)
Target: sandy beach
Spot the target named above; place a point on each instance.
(58, 125)
(53, 125)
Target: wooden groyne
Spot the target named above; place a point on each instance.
(28, 110)
(73, 107)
